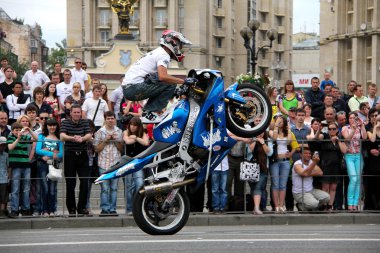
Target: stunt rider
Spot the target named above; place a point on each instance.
(149, 78)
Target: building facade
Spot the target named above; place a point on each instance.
(26, 40)
(212, 26)
(350, 40)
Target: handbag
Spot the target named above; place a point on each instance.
(249, 171)
(54, 173)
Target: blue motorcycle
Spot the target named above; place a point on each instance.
(189, 143)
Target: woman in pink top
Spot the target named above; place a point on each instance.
(353, 133)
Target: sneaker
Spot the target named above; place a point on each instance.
(129, 213)
(13, 214)
(28, 213)
(35, 214)
(84, 212)
(72, 213)
(151, 117)
(113, 213)
(104, 213)
(53, 214)
(45, 215)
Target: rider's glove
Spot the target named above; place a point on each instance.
(190, 81)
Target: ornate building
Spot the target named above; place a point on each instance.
(212, 26)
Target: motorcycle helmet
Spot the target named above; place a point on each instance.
(174, 41)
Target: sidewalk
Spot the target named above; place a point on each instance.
(195, 219)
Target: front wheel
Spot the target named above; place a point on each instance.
(153, 219)
(252, 118)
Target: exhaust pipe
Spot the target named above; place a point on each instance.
(164, 187)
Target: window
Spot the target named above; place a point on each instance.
(219, 42)
(104, 17)
(33, 43)
(104, 37)
(135, 19)
(218, 61)
(181, 16)
(161, 17)
(219, 22)
(219, 3)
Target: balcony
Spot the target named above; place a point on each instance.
(264, 63)
(160, 23)
(280, 48)
(219, 12)
(104, 24)
(264, 6)
(103, 4)
(281, 29)
(370, 4)
(159, 3)
(263, 43)
(264, 26)
(101, 45)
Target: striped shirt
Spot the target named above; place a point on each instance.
(19, 156)
(71, 128)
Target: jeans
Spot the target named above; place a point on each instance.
(158, 93)
(218, 189)
(133, 183)
(234, 177)
(354, 164)
(108, 193)
(48, 194)
(258, 188)
(22, 174)
(279, 172)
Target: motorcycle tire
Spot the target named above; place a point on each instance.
(148, 214)
(254, 117)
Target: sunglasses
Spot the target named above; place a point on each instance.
(78, 62)
(332, 129)
(374, 116)
(44, 118)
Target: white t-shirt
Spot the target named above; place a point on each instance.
(89, 94)
(89, 106)
(2, 76)
(116, 97)
(148, 64)
(79, 76)
(223, 166)
(297, 179)
(34, 80)
(64, 90)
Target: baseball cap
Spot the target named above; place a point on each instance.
(3, 140)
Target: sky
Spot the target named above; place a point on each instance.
(51, 15)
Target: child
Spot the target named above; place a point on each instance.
(4, 163)
(18, 142)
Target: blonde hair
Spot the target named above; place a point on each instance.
(21, 117)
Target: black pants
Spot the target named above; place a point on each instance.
(76, 163)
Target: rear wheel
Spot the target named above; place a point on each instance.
(254, 117)
(153, 219)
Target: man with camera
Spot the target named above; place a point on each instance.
(304, 194)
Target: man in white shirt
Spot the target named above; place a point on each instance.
(33, 78)
(115, 99)
(304, 194)
(79, 75)
(372, 98)
(95, 81)
(65, 88)
(149, 78)
(95, 107)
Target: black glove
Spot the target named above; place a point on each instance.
(190, 81)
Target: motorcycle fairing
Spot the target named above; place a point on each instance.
(233, 94)
(216, 159)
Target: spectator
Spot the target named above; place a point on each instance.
(39, 103)
(331, 153)
(95, 81)
(133, 108)
(31, 111)
(358, 98)
(305, 195)
(373, 100)
(55, 79)
(289, 99)
(136, 141)
(74, 99)
(235, 157)
(353, 133)
(261, 149)
(314, 96)
(6, 87)
(52, 99)
(308, 117)
(92, 166)
(373, 181)
(84, 67)
(18, 142)
(79, 75)
(363, 112)
(17, 103)
(115, 101)
(5, 130)
(350, 91)
(280, 167)
(327, 103)
(338, 103)
(341, 120)
(372, 114)
(49, 150)
(4, 63)
(34, 78)
(95, 107)
(328, 88)
(273, 97)
(218, 186)
(75, 132)
(65, 88)
(4, 164)
(315, 134)
(57, 71)
(327, 80)
(329, 115)
(108, 144)
(292, 116)
(104, 91)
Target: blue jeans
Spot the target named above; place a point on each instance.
(48, 193)
(133, 183)
(108, 193)
(354, 164)
(258, 188)
(22, 174)
(218, 189)
(279, 172)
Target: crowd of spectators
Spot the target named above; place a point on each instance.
(321, 151)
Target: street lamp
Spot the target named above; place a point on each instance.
(248, 33)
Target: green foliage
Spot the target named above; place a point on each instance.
(19, 21)
(57, 54)
(256, 79)
(20, 68)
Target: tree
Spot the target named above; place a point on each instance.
(57, 55)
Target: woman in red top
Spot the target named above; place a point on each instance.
(52, 99)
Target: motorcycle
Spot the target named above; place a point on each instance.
(189, 144)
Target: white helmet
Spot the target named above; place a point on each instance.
(174, 41)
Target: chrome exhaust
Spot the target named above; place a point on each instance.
(164, 187)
